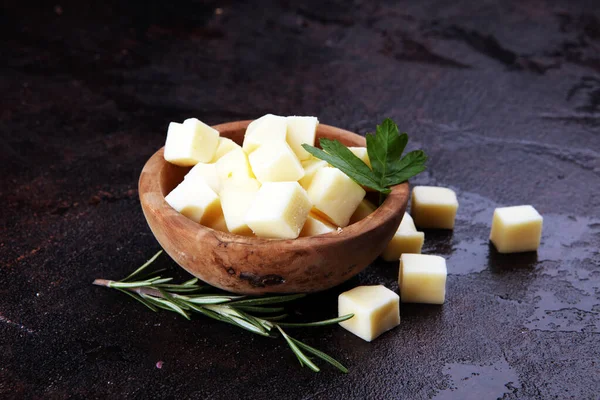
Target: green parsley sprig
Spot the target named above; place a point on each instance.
(385, 148)
(260, 315)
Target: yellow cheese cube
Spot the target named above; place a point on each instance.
(234, 165)
(516, 229)
(219, 224)
(315, 225)
(361, 152)
(301, 130)
(311, 166)
(236, 198)
(335, 195)
(268, 128)
(422, 279)
(275, 162)
(376, 310)
(279, 210)
(364, 209)
(190, 143)
(224, 147)
(405, 240)
(208, 172)
(434, 207)
(196, 200)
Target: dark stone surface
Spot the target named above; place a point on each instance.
(504, 96)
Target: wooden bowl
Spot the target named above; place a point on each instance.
(251, 265)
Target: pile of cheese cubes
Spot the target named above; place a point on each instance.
(422, 278)
(269, 187)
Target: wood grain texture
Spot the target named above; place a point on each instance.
(252, 265)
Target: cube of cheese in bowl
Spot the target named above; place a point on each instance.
(256, 265)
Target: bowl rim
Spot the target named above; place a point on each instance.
(151, 195)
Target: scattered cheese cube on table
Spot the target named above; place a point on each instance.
(315, 225)
(376, 310)
(335, 195)
(406, 240)
(234, 165)
(516, 229)
(190, 143)
(236, 198)
(275, 162)
(311, 166)
(267, 128)
(224, 147)
(279, 210)
(434, 207)
(361, 152)
(196, 200)
(301, 130)
(422, 279)
(208, 172)
(364, 209)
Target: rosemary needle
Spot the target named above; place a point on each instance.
(259, 315)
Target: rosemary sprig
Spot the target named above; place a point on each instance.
(259, 315)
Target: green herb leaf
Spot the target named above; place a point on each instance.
(343, 159)
(385, 148)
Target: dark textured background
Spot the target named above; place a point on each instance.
(504, 96)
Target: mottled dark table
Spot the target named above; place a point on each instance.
(504, 96)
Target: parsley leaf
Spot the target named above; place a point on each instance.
(385, 149)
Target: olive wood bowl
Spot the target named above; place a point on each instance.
(252, 265)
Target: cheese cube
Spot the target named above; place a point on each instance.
(219, 224)
(275, 162)
(364, 209)
(422, 279)
(335, 195)
(236, 198)
(311, 166)
(279, 210)
(190, 143)
(405, 240)
(224, 147)
(315, 225)
(234, 165)
(434, 207)
(376, 310)
(196, 200)
(361, 152)
(301, 130)
(208, 172)
(516, 229)
(268, 128)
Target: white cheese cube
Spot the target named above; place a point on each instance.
(364, 209)
(219, 224)
(315, 225)
(224, 147)
(279, 210)
(301, 130)
(275, 162)
(234, 165)
(405, 240)
(236, 199)
(422, 279)
(190, 143)
(268, 128)
(516, 229)
(196, 200)
(376, 310)
(208, 172)
(361, 152)
(311, 166)
(434, 207)
(335, 195)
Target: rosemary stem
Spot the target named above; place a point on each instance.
(139, 290)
